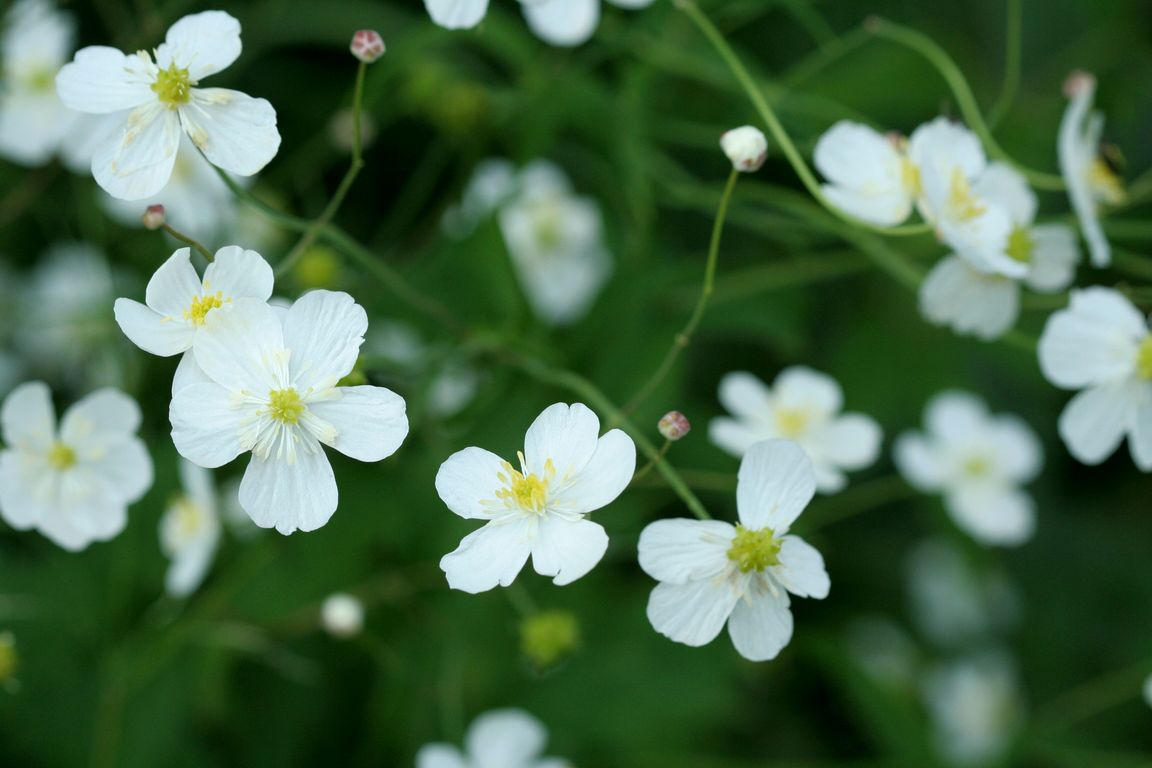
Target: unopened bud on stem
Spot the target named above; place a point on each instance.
(367, 45)
(674, 425)
(746, 147)
(153, 217)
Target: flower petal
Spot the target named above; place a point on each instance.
(370, 421)
(774, 485)
(851, 441)
(152, 332)
(439, 756)
(1094, 422)
(173, 286)
(562, 22)
(955, 417)
(802, 389)
(239, 344)
(28, 418)
(604, 477)
(127, 465)
(490, 556)
(206, 424)
(505, 737)
(239, 273)
(324, 330)
(801, 569)
(1018, 453)
(919, 462)
(189, 566)
(1003, 185)
(300, 496)
(761, 624)
(692, 613)
(456, 14)
(203, 43)
(567, 549)
(745, 396)
(100, 79)
(736, 437)
(993, 515)
(568, 435)
(866, 171)
(468, 481)
(188, 373)
(1055, 255)
(1093, 341)
(971, 303)
(138, 162)
(234, 131)
(679, 551)
(1140, 434)
(105, 416)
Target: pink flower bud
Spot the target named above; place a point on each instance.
(367, 45)
(153, 217)
(674, 425)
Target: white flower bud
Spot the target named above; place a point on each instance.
(367, 45)
(746, 147)
(342, 615)
(153, 217)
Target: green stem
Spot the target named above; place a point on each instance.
(187, 240)
(938, 58)
(643, 471)
(777, 130)
(1011, 84)
(309, 237)
(1093, 697)
(684, 338)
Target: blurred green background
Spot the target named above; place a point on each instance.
(112, 673)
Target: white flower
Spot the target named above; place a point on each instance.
(975, 708)
(803, 405)
(271, 388)
(711, 572)
(871, 176)
(492, 183)
(566, 471)
(746, 147)
(502, 738)
(158, 100)
(950, 161)
(1100, 344)
(178, 304)
(556, 242)
(883, 650)
(1091, 182)
(978, 462)
(559, 22)
(73, 483)
(958, 295)
(190, 531)
(342, 615)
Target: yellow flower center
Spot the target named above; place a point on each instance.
(61, 457)
(284, 406)
(528, 492)
(1105, 183)
(546, 224)
(173, 86)
(41, 80)
(910, 175)
(1144, 358)
(976, 466)
(754, 550)
(960, 198)
(792, 422)
(189, 518)
(1020, 245)
(201, 306)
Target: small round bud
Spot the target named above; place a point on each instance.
(342, 615)
(153, 217)
(1078, 80)
(746, 147)
(674, 425)
(548, 638)
(367, 45)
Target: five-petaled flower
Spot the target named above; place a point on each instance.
(159, 99)
(537, 509)
(73, 483)
(270, 386)
(502, 738)
(712, 572)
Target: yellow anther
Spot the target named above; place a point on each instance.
(960, 198)
(1020, 245)
(976, 466)
(201, 306)
(173, 86)
(1144, 358)
(527, 492)
(754, 550)
(61, 457)
(284, 406)
(910, 175)
(1104, 182)
(792, 423)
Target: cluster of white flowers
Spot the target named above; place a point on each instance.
(558, 22)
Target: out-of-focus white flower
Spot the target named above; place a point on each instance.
(746, 147)
(712, 572)
(559, 22)
(951, 161)
(190, 531)
(975, 708)
(883, 650)
(1091, 181)
(63, 329)
(1148, 690)
(178, 303)
(871, 176)
(158, 100)
(958, 295)
(566, 471)
(556, 241)
(342, 615)
(502, 738)
(802, 405)
(493, 181)
(1101, 345)
(954, 604)
(978, 461)
(72, 483)
(272, 389)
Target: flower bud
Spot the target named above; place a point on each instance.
(1077, 81)
(746, 147)
(674, 425)
(342, 615)
(548, 638)
(153, 217)
(367, 45)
